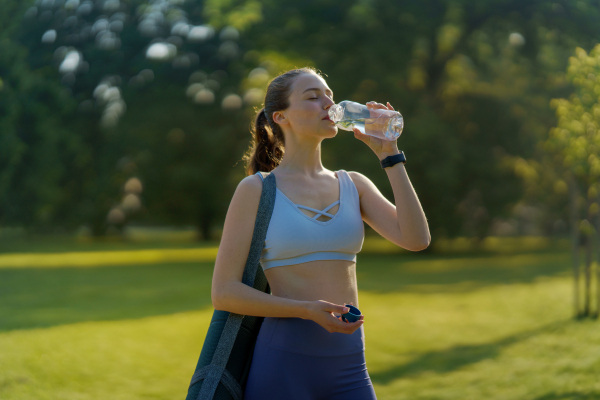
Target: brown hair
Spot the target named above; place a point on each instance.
(268, 144)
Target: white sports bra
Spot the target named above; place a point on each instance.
(294, 238)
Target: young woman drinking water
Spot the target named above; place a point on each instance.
(304, 350)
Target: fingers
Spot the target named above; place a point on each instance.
(361, 318)
(378, 106)
(348, 327)
(358, 134)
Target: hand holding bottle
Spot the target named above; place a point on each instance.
(382, 148)
(381, 122)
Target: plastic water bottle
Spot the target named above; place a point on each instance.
(384, 124)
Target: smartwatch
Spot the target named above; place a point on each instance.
(393, 160)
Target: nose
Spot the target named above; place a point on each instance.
(328, 102)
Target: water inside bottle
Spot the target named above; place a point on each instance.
(385, 127)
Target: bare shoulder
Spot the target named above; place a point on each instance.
(250, 184)
(362, 183)
(247, 194)
(244, 204)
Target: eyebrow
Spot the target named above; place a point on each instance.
(318, 90)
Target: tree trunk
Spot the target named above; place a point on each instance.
(588, 243)
(588, 274)
(204, 226)
(597, 260)
(98, 224)
(574, 217)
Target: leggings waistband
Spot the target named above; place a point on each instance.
(305, 336)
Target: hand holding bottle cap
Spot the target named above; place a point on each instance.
(352, 315)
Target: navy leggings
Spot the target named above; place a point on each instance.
(297, 359)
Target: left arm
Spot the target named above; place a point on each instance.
(405, 223)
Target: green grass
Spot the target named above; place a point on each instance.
(480, 326)
(64, 243)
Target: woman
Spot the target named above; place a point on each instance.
(304, 349)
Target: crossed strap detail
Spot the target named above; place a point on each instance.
(320, 212)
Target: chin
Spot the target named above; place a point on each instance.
(326, 132)
(332, 133)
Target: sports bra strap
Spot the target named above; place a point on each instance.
(262, 175)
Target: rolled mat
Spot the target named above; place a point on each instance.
(226, 355)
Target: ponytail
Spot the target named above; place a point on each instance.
(267, 146)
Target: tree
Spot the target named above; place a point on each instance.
(37, 148)
(574, 145)
(473, 81)
(110, 58)
(162, 91)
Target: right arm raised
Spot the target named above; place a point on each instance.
(228, 292)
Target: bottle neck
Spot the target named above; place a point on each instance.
(336, 113)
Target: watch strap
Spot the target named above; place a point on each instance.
(393, 160)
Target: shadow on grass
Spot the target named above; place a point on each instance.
(44, 297)
(442, 274)
(454, 358)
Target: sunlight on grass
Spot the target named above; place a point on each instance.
(462, 263)
(377, 244)
(371, 245)
(96, 258)
(162, 234)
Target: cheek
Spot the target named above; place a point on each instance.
(307, 114)
(310, 111)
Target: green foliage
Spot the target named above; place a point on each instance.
(114, 73)
(37, 149)
(576, 138)
(572, 148)
(473, 81)
(184, 154)
(239, 14)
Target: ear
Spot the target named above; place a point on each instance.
(279, 118)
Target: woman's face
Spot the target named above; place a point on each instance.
(310, 100)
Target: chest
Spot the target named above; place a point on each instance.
(293, 231)
(312, 199)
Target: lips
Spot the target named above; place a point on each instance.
(327, 118)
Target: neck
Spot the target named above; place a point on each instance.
(302, 158)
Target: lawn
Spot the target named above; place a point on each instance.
(485, 325)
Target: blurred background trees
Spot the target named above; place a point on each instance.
(160, 94)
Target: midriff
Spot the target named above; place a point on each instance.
(330, 280)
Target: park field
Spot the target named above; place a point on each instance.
(115, 321)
